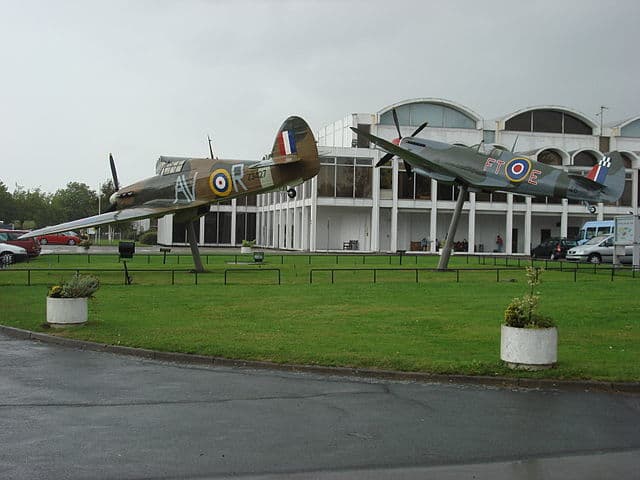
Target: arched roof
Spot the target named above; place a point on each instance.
(447, 104)
(623, 123)
(557, 108)
(627, 128)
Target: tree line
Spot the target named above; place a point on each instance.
(32, 208)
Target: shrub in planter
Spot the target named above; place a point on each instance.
(522, 312)
(78, 286)
(529, 340)
(67, 302)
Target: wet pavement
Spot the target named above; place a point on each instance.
(75, 414)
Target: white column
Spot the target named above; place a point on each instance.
(527, 227)
(433, 227)
(234, 210)
(471, 235)
(375, 210)
(297, 239)
(564, 218)
(508, 234)
(394, 209)
(304, 239)
(313, 220)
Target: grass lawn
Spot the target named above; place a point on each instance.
(436, 325)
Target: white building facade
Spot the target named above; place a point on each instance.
(352, 205)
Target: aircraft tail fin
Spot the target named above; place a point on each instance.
(609, 173)
(294, 143)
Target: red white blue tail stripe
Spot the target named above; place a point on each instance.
(287, 142)
(599, 172)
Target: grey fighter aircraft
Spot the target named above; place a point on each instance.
(186, 186)
(473, 170)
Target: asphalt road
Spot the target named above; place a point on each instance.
(74, 414)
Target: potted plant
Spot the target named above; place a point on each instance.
(67, 302)
(529, 340)
(247, 245)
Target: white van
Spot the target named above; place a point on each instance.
(595, 228)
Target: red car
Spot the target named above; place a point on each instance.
(64, 238)
(31, 245)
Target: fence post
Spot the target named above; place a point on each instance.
(29, 277)
(497, 275)
(173, 277)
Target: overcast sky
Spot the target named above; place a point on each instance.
(80, 79)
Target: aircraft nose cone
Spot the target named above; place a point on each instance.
(396, 141)
(112, 198)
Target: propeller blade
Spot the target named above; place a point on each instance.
(114, 174)
(397, 123)
(384, 159)
(210, 149)
(419, 129)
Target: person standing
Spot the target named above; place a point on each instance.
(499, 243)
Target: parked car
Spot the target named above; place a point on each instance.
(553, 248)
(31, 245)
(64, 238)
(597, 250)
(11, 253)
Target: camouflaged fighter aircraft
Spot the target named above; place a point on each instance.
(473, 170)
(187, 186)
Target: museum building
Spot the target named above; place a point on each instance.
(351, 205)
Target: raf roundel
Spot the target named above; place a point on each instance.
(220, 182)
(517, 169)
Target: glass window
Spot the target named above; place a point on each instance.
(251, 226)
(423, 187)
(576, 126)
(520, 123)
(405, 184)
(550, 157)
(241, 226)
(456, 119)
(547, 121)
(499, 197)
(327, 181)
(363, 179)
(386, 178)
(224, 227)
(211, 227)
(179, 232)
(344, 180)
(445, 192)
(585, 159)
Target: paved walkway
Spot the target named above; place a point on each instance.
(75, 414)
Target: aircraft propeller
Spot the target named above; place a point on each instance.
(114, 174)
(116, 184)
(388, 156)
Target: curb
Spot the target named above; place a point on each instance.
(192, 359)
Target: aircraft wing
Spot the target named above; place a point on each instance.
(470, 177)
(103, 219)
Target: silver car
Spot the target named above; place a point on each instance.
(597, 250)
(11, 253)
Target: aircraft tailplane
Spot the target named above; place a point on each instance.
(609, 172)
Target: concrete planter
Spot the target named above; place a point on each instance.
(66, 312)
(245, 250)
(529, 348)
